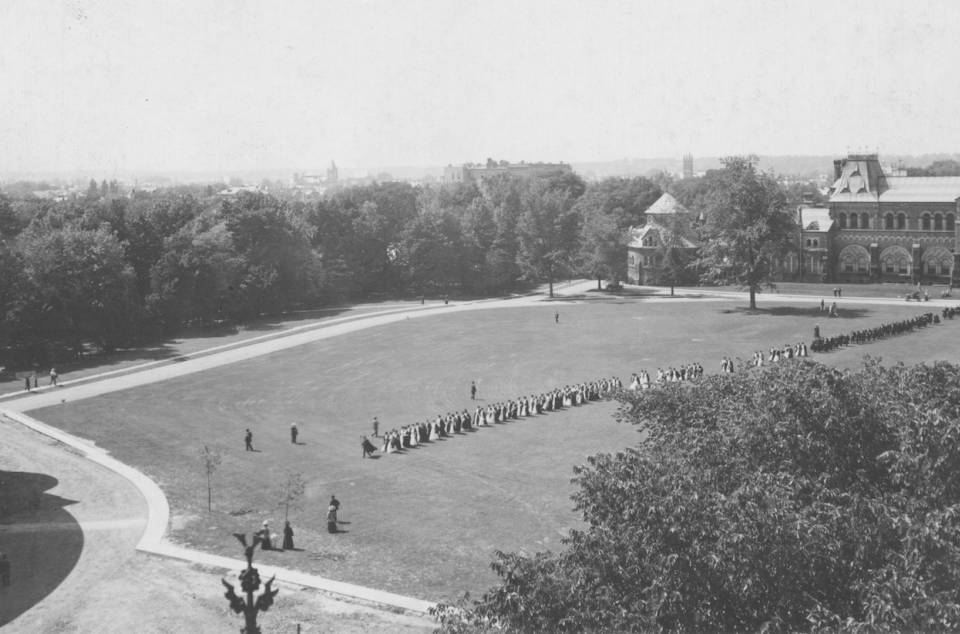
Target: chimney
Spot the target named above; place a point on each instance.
(837, 168)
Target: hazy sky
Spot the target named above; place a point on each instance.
(231, 84)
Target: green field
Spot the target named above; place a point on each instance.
(427, 522)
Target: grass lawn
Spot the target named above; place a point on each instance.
(426, 523)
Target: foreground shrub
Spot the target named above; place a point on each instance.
(796, 498)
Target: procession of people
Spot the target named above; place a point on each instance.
(452, 423)
(826, 344)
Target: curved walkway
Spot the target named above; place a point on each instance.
(16, 404)
(152, 540)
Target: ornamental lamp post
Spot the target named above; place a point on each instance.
(250, 583)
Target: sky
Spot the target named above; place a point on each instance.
(222, 85)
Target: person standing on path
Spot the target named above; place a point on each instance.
(376, 427)
(556, 317)
(287, 536)
(248, 440)
(473, 390)
(26, 383)
(293, 433)
(266, 539)
(53, 376)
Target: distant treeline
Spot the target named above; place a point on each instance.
(104, 270)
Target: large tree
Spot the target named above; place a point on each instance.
(431, 249)
(747, 226)
(676, 254)
(197, 278)
(81, 288)
(548, 229)
(792, 498)
(281, 267)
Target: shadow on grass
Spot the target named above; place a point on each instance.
(800, 311)
(41, 557)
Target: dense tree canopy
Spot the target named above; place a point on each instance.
(185, 255)
(792, 498)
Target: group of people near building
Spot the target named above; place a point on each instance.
(452, 423)
(826, 344)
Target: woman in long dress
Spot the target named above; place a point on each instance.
(287, 536)
(332, 519)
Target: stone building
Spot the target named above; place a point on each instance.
(667, 220)
(469, 172)
(892, 227)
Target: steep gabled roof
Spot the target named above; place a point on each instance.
(861, 180)
(637, 234)
(666, 205)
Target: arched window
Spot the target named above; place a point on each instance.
(938, 223)
(901, 221)
(895, 259)
(854, 258)
(950, 222)
(925, 222)
(789, 262)
(853, 221)
(937, 261)
(864, 221)
(888, 221)
(842, 220)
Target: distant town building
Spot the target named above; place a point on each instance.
(471, 172)
(688, 166)
(664, 218)
(318, 182)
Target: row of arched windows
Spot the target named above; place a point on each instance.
(896, 260)
(928, 221)
(853, 221)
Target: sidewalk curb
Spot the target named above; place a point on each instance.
(158, 515)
